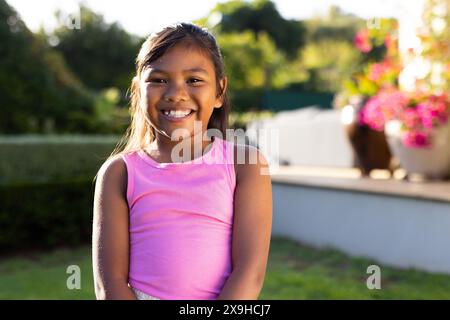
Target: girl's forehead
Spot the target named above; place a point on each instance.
(183, 57)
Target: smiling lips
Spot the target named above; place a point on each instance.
(177, 114)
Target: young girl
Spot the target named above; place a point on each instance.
(198, 228)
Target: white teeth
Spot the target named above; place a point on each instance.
(177, 113)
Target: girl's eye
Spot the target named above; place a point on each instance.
(156, 80)
(162, 81)
(194, 80)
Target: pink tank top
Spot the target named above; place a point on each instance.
(181, 218)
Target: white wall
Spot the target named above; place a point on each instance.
(397, 231)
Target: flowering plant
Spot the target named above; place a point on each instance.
(379, 65)
(378, 41)
(418, 113)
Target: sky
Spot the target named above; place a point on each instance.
(142, 17)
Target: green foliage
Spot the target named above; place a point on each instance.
(328, 62)
(377, 64)
(52, 158)
(261, 16)
(101, 54)
(250, 60)
(328, 56)
(54, 175)
(40, 216)
(379, 37)
(110, 118)
(336, 26)
(320, 58)
(37, 92)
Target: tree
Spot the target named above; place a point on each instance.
(336, 25)
(258, 16)
(37, 91)
(329, 56)
(101, 54)
(249, 60)
(328, 63)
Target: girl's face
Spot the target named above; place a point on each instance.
(179, 89)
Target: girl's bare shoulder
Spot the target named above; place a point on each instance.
(112, 175)
(247, 158)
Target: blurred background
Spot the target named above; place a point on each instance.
(347, 99)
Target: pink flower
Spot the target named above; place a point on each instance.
(420, 115)
(439, 107)
(410, 118)
(433, 111)
(376, 71)
(384, 106)
(426, 115)
(362, 41)
(416, 139)
(371, 114)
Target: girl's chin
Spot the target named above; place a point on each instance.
(177, 134)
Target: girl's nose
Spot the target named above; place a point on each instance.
(175, 92)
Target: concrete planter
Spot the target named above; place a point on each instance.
(432, 162)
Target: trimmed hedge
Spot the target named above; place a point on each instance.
(47, 188)
(45, 215)
(40, 158)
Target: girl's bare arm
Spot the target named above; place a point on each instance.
(251, 230)
(110, 238)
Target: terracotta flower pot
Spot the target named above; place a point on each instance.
(370, 147)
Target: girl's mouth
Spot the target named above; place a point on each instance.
(177, 115)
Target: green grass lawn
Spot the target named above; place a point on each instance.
(295, 271)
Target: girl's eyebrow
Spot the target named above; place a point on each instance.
(199, 70)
